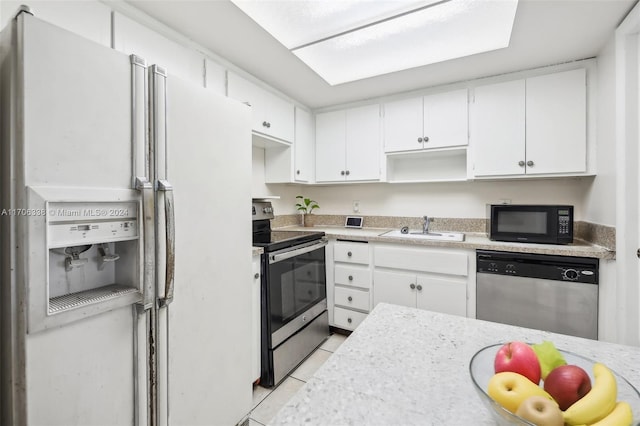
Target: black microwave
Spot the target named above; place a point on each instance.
(545, 224)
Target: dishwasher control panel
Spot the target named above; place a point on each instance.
(550, 267)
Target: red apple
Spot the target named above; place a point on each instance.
(567, 384)
(518, 357)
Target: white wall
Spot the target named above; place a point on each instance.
(600, 203)
(456, 199)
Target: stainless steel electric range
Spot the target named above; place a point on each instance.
(294, 318)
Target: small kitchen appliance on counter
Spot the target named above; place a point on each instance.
(545, 224)
(294, 317)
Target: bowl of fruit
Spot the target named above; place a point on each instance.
(538, 384)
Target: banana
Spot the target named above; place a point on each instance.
(620, 416)
(596, 404)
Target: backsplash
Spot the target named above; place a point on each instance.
(601, 235)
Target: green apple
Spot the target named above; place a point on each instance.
(540, 411)
(548, 356)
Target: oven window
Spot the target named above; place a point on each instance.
(295, 285)
(522, 222)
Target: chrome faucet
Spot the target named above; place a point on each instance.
(425, 227)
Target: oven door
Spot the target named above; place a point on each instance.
(296, 288)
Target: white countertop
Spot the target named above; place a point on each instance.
(472, 241)
(404, 366)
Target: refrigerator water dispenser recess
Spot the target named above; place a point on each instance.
(94, 257)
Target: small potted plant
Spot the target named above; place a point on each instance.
(306, 206)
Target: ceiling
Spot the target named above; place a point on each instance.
(545, 32)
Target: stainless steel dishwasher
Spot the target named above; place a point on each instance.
(545, 292)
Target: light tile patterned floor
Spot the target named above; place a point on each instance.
(267, 402)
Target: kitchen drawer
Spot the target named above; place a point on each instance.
(352, 298)
(357, 276)
(422, 260)
(351, 252)
(346, 319)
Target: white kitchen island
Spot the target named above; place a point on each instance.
(404, 366)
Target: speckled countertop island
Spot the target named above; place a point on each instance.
(404, 366)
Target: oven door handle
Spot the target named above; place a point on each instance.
(278, 257)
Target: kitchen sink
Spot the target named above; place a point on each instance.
(418, 235)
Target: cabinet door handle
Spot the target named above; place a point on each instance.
(350, 277)
(342, 172)
(347, 172)
(419, 140)
(426, 139)
(412, 286)
(530, 163)
(256, 276)
(349, 254)
(265, 124)
(521, 163)
(350, 299)
(349, 320)
(419, 287)
(297, 172)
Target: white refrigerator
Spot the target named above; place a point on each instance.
(125, 235)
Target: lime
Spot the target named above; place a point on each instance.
(548, 356)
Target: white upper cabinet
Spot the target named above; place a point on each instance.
(292, 163)
(556, 123)
(535, 126)
(272, 116)
(133, 38)
(433, 121)
(303, 146)
(348, 145)
(498, 128)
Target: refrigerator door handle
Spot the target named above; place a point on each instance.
(146, 189)
(165, 186)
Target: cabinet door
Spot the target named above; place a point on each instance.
(244, 91)
(330, 146)
(556, 123)
(498, 129)
(403, 125)
(445, 295)
(279, 117)
(363, 143)
(446, 119)
(303, 146)
(394, 287)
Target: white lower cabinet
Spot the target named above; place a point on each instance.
(438, 294)
(423, 278)
(347, 319)
(352, 283)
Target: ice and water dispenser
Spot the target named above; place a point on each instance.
(94, 259)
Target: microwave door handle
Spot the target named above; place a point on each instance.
(275, 258)
(170, 251)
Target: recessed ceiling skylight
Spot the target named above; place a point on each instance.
(348, 40)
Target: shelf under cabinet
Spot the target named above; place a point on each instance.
(444, 165)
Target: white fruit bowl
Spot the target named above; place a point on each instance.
(481, 369)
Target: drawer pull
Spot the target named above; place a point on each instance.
(350, 299)
(349, 254)
(350, 277)
(419, 287)
(349, 320)
(256, 276)
(412, 286)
